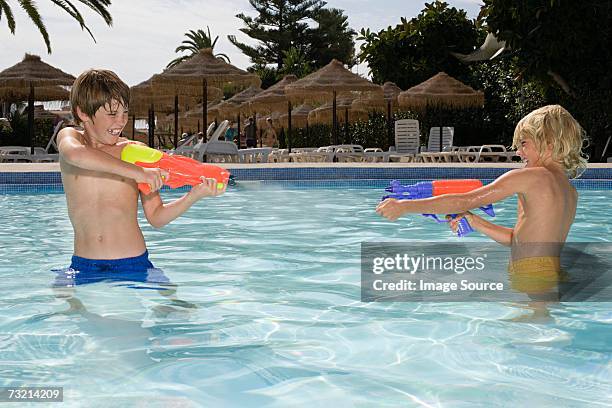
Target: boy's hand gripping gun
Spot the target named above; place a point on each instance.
(183, 170)
(427, 189)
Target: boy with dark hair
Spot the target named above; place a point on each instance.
(101, 189)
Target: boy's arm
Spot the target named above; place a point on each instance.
(512, 182)
(159, 214)
(75, 153)
(502, 235)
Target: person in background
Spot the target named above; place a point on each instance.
(230, 133)
(270, 138)
(250, 133)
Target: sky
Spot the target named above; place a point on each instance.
(145, 32)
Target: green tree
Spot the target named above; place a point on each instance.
(29, 6)
(196, 41)
(417, 49)
(565, 45)
(279, 25)
(268, 75)
(332, 38)
(295, 62)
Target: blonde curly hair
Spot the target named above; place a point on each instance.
(553, 125)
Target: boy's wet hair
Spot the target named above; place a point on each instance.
(554, 125)
(95, 88)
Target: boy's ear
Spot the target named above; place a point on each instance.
(83, 117)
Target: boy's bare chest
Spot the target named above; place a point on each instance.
(89, 186)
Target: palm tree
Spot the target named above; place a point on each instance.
(197, 40)
(98, 6)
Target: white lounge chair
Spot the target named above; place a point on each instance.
(485, 153)
(322, 154)
(349, 153)
(279, 156)
(283, 155)
(407, 140)
(217, 151)
(186, 147)
(23, 153)
(433, 153)
(215, 148)
(255, 155)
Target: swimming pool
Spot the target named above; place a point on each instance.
(269, 313)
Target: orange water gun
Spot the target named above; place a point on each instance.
(183, 170)
(426, 189)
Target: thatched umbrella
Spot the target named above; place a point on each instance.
(369, 103)
(328, 83)
(144, 98)
(299, 116)
(273, 99)
(193, 117)
(391, 91)
(204, 65)
(43, 93)
(200, 71)
(237, 104)
(343, 110)
(441, 91)
(32, 73)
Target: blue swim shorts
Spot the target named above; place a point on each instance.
(136, 269)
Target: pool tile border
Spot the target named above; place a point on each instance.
(28, 178)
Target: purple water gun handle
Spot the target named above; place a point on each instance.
(463, 228)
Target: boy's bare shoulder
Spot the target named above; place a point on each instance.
(521, 180)
(70, 132)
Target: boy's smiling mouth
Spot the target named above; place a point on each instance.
(114, 132)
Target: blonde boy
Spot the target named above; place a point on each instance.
(549, 140)
(101, 192)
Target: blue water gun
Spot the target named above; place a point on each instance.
(427, 189)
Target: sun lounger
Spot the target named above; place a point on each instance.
(376, 155)
(322, 154)
(255, 155)
(16, 154)
(433, 153)
(349, 153)
(407, 140)
(279, 156)
(218, 152)
(486, 153)
(186, 148)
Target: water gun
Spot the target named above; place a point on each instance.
(183, 170)
(427, 189)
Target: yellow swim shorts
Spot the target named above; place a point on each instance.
(535, 275)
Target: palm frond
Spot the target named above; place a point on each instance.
(196, 40)
(10, 20)
(178, 60)
(101, 8)
(223, 57)
(69, 8)
(30, 8)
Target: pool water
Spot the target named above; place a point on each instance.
(268, 313)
